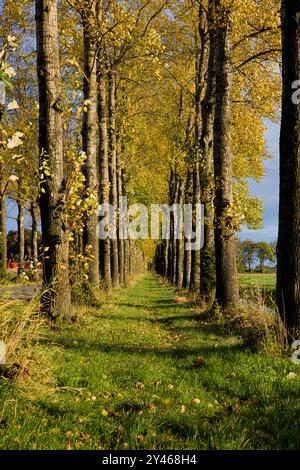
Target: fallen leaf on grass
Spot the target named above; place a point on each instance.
(104, 412)
(234, 408)
(156, 383)
(181, 300)
(291, 375)
(197, 401)
(151, 407)
(139, 386)
(199, 361)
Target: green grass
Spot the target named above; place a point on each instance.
(260, 280)
(143, 373)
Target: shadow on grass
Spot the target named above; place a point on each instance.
(150, 306)
(174, 352)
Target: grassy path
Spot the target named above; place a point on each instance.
(143, 373)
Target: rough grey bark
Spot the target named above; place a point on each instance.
(226, 272)
(89, 134)
(34, 211)
(288, 248)
(113, 171)
(3, 234)
(56, 298)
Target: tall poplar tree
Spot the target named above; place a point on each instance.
(56, 297)
(288, 249)
(89, 131)
(226, 271)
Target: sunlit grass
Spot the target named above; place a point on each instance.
(256, 279)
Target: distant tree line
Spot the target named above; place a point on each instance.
(256, 256)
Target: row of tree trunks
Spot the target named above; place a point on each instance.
(211, 131)
(103, 170)
(34, 211)
(212, 161)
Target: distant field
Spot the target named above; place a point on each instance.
(262, 280)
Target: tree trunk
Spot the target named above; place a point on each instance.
(121, 241)
(207, 174)
(89, 136)
(173, 220)
(179, 253)
(104, 175)
(171, 244)
(113, 173)
(201, 57)
(126, 261)
(104, 189)
(187, 262)
(3, 234)
(56, 299)
(288, 248)
(34, 210)
(196, 256)
(130, 257)
(21, 235)
(165, 248)
(226, 272)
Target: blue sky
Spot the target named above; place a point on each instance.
(268, 189)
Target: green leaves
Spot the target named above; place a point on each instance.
(5, 79)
